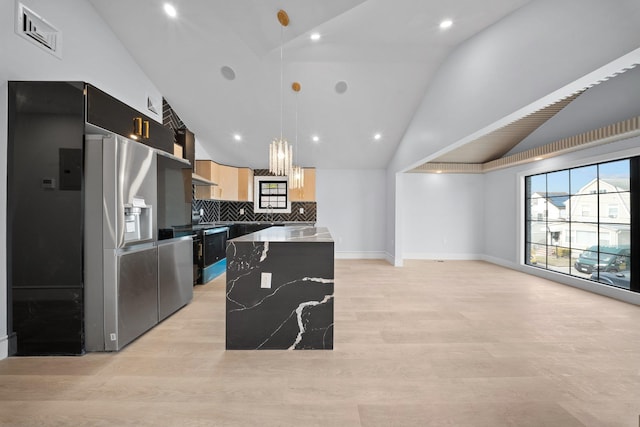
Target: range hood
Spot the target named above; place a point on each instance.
(200, 180)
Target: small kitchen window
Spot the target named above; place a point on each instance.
(271, 194)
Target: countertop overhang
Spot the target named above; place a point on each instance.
(306, 234)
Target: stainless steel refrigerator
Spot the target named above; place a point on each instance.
(122, 294)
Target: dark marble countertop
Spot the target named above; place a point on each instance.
(288, 234)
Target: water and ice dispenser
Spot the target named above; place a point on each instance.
(138, 224)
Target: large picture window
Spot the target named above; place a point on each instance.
(578, 222)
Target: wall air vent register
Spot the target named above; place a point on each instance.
(30, 26)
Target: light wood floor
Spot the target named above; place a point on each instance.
(431, 344)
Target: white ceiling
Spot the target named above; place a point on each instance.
(386, 50)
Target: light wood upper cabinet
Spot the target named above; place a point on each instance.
(228, 183)
(245, 184)
(208, 170)
(234, 184)
(308, 192)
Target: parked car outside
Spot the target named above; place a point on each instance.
(602, 258)
(621, 279)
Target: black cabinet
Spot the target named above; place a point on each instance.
(113, 115)
(240, 229)
(44, 217)
(186, 139)
(233, 231)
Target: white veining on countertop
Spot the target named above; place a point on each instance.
(264, 251)
(324, 336)
(246, 260)
(299, 310)
(276, 331)
(317, 279)
(232, 284)
(304, 279)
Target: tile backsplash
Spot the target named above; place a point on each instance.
(221, 210)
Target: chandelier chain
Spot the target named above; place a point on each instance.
(281, 78)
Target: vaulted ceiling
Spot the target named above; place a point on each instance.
(383, 52)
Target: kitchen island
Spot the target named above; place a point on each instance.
(280, 285)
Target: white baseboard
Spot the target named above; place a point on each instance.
(438, 256)
(396, 262)
(501, 262)
(4, 347)
(360, 255)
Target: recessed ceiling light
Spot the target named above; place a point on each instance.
(446, 23)
(315, 37)
(315, 138)
(237, 137)
(377, 136)
(438, 171)
(170, 10)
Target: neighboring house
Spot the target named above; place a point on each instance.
(611, 209)
(551, 207)
(572, 221)
(614, 202)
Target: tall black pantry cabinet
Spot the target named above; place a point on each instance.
(44, 217)
(45, 206)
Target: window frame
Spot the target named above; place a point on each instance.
(633, 223)
(257, 201)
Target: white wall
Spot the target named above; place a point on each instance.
(91, 53)
(504, 199)
(504, 231)
(502, 213)
(352, 204)
(393, 220)
(511, 68)
(443, 216)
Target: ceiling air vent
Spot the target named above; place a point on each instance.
(38, 31)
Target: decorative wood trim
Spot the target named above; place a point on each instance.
(615, 132)
(448, 168)
(604, 135)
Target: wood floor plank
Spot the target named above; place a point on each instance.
(462, 343)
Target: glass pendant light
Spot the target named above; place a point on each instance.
(296, 176)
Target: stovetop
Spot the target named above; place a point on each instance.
(185, 230)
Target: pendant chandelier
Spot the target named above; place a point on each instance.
(280, 152)
(296, 176)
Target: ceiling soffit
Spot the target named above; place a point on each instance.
(499, 142)
(485, 153)
(615, 132)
